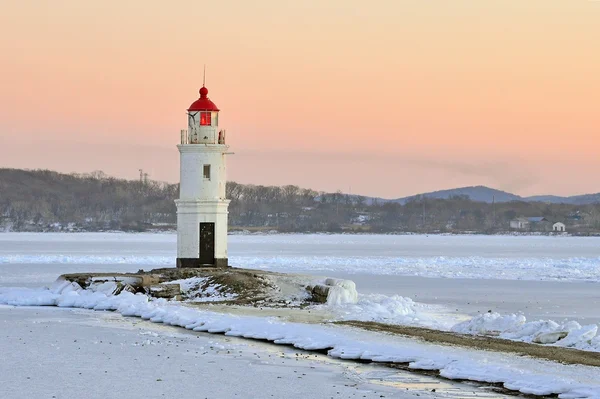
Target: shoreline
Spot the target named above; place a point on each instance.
(348, 233)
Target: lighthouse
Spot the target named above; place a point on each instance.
(202, 206)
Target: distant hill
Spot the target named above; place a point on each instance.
(42, 200)
(575, 200)
(487, 194)
(475, 193)
(553, 199)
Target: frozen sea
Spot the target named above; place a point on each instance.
(50, 352)
(544, 277)
(538, 258)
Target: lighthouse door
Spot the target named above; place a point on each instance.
(207, 243)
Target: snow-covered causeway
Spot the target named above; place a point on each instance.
(521, 374)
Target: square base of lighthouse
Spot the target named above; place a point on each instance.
(196, 263)
(202, 233)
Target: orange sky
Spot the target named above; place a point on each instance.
(386, 98)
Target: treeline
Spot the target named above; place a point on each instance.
(45, 200)
(41, 200)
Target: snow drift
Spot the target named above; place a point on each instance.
(515, 327)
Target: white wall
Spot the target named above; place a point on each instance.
(518, 224)
(189, 216)
(192, 159)
(559, 227)
(200, 199)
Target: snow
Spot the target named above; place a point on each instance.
(199, 289)
(341, 291)
(472, 267)
(473, 257)
(515, 327)
(71, 353)
(546, 258)
(398, 310)
(188, 284)
(554, 278)
(491, 324)
(522, 374)
(577, 301)
(88, 259)
(536, 300)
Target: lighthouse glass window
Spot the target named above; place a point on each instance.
(207, 172)
(205, 119)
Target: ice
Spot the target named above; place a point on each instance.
(526, 268)
(395, 309)
(472, 257)
(27, 297)
(579, 337)
(67, 353)
(388, 264)
(521, 374)
(67, 259)
(515, 327)
(404, 311)
(491, 324)
(341, 291)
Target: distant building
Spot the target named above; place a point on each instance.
(530, 223)
(537, 219)
(539, 223)
(558, 226)
(519, 224)
(362, 218)
(575, 216)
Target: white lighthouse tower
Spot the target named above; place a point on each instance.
(202, 206)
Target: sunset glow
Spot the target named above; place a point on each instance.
(386, 98)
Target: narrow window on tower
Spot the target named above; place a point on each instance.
(205, 119)
(207, 172)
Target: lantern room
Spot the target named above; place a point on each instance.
(203, 122)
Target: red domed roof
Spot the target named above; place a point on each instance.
(203, 103)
